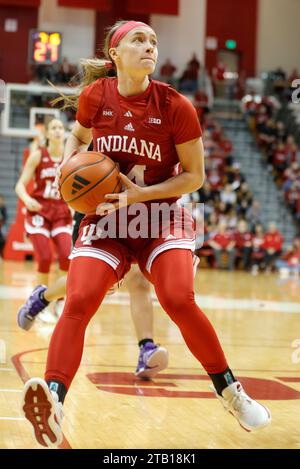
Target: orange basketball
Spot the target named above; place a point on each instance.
(86, 178)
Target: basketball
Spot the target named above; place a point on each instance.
(86, 178)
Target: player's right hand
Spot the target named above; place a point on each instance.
(33, 205)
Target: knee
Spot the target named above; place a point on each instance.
(79, 305)
(177, 303)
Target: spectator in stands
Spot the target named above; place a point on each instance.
(167, 71)
(223, 242)
(218, 74)
(279, 161)
(234, 175)
(291, 149)
(290, 260)
(254, 215)
(258, 251)
(3, 219)
(228, 196)
(273, 242)
(243, 240)
(281, 132)
(188, 82)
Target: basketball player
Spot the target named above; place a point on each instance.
(48, 216)
(148, 128)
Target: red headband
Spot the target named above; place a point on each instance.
(123, 30)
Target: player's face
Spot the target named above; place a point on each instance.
(137, 51)
(56, 131)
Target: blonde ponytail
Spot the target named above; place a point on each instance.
(92, 70)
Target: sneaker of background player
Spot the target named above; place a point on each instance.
(42, 409)
(33, 306)
(152, 359)
(250, 414)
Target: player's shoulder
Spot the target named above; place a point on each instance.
(97, 86)
(35, 156)
(173, 97)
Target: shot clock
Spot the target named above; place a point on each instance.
(44, 47)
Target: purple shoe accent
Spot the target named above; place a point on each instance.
(33, 306)
(152, 359)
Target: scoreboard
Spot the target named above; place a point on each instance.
(44, 47)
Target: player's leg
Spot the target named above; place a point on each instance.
(36, 301)
(41, 296)
(176, 295)
(42, 250)
(63, 242)
(152, 357)
(43, 399)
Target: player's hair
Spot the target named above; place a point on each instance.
(92, 70)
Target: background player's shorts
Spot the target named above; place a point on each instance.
(52, 220)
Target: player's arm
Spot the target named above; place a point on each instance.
(191, 157)
(78, 140)
(27, 174)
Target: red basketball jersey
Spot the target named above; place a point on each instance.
(139, 132)
(44, 178)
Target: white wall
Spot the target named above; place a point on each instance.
(278, 35)
(180, 36)
(76, 24)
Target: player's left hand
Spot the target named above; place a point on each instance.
(132, 194)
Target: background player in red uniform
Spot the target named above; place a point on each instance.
(48, 216)
(148, 128)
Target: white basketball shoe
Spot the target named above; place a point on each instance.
(43, 410)
(250, 414)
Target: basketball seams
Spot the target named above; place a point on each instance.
(98, 182)
(84, 165)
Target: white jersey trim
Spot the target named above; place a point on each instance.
(174, 244)
(34, 230)
(96, 254)
(61, 229)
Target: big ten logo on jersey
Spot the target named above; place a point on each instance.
(296, 353)
(91, 233)
(37, 220)
(51, 190)
(154, 120)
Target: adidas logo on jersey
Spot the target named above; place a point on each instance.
(128, 114)
(79, 183)
(129, 127)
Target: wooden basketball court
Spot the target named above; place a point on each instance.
(257, 320)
